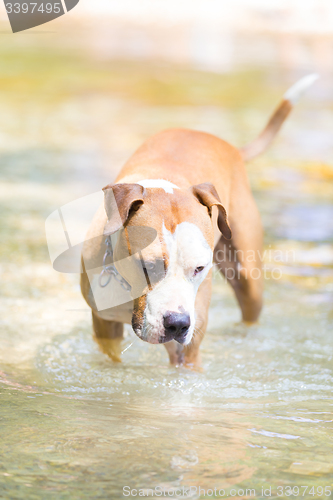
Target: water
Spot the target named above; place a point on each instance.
(76, 426)
(259, 415)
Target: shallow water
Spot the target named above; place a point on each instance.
(75, 425)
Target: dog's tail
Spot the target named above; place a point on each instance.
(292, 95)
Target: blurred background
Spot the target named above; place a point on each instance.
(78, 82)
(77, 96)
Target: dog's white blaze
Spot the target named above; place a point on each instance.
(294, 93)
(187, 250)
(159, 183)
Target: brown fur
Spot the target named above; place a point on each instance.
(188, 158)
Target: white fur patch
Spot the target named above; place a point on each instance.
(187, 249)
(158, 183)
(294, 93)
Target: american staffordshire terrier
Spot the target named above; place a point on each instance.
(182, 201)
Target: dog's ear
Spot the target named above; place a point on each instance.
(119, 201)
(207, 195)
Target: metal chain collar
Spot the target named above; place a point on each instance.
(110, 270)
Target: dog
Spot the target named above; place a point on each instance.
(181, 202)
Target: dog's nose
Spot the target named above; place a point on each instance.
(176, 325)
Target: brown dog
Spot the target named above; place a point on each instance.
(182, 200)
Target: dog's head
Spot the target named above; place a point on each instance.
(164, 275)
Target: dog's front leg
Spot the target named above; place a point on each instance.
(188, 356)
(108, 335)
(176, 352)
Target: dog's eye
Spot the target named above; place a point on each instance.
(198, 270)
